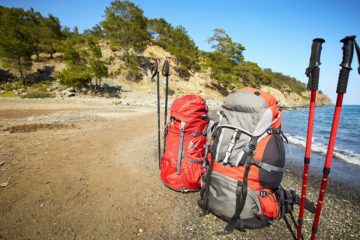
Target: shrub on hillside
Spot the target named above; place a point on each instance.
(134, 72)
(75, 78)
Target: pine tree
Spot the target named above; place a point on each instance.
(126, 26)
(97, 66)
(51, 34)
(15, 45)
(177, 42)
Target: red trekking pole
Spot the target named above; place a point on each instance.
(348, 51)
(313, 72)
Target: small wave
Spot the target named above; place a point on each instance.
(346, 155)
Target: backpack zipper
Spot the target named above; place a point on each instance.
(181, 148)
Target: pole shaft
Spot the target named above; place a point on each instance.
(306, 161)
(327, 165)
(158, 114)
(166, 97)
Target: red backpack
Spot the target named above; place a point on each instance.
(185, 135)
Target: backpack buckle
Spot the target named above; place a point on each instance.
(238, 190)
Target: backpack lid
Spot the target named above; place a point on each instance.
(251, 110)
(188, 107)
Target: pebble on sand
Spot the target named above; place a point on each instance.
(4, 184)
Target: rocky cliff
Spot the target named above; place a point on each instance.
(289, 99)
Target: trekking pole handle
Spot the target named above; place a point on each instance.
(166, 68)
(316, 52)
(348, 52)
(313, 70)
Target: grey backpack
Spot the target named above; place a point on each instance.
(246, 160)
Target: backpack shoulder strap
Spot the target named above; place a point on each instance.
(204, 193)
(236, 221)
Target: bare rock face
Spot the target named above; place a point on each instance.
(154, 51)
(290, 99)
(323, 99)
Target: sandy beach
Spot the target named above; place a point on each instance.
(87, 169)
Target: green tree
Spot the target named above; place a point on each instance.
(95, 32)
(75, 77)
(178, 42)
(77, 74)
(97, 66)
(252, 75)
(285, 83)
(185, 50)
(160, 30)
(84, 64)
(51, 35)
(126, 26)
(76, 30)
(223, 44)
(99, 70)
(133, 68)
(35, 24)
(72, 55)
(225, 59)
(15, 32)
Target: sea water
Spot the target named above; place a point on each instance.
(346, 159)
(347, 147)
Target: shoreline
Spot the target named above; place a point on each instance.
(284, 109)
(135, 98)
(341, 170)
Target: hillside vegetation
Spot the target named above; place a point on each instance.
(38, 54)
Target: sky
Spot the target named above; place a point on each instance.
(277, 34)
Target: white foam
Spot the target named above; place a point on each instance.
(346, 155)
